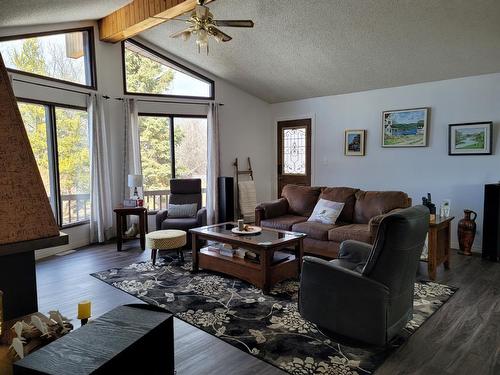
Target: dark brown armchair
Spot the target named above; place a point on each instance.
(183, 191)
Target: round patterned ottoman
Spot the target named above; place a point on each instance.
(168, 239)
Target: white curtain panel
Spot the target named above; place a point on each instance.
(132, 157)
(213, 167)
(101, 216)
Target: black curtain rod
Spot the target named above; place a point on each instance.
(168, 101)
(105, 96)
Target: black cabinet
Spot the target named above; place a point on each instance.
(491, 222)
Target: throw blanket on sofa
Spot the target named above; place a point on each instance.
(248, 200)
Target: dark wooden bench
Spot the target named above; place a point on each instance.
(131, 339)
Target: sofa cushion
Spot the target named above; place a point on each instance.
(301, 199)
(282, 222)
(373, 203)
(318, 231)
(358, 232)
(344, 195)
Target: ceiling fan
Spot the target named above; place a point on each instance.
(202, 25)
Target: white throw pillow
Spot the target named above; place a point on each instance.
(326, 212)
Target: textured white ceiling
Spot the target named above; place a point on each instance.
(307, 48)
(38, 12)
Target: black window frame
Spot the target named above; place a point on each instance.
(91, 53)
(181, 67)
(53, 154)
(171, 118)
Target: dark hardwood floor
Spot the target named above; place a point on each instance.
(463, 337)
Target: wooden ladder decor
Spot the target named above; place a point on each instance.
(238, 172)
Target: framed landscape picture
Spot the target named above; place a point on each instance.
(405, 127)
(472, 138)
(354, 142)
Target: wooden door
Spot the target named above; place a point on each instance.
(294, 153)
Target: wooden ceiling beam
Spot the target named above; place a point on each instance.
(139, 16)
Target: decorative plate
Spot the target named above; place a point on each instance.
(251, 230)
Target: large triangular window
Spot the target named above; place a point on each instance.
(148, 72)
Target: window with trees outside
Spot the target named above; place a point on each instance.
(63, 56)
(60, 142)
(171, 147)
(164, 77)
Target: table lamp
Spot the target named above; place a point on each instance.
(135, 181)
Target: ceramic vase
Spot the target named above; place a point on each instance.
(467, 232)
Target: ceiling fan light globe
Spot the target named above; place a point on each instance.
(202, 40)
(202, 43)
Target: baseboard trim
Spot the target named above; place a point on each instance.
(44, 253)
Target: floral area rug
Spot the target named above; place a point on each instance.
(266, 326)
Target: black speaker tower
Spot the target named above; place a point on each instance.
(491, 222)
(226, 199)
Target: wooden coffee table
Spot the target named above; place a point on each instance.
(267, 245)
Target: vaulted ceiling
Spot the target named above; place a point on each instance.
(301, 49)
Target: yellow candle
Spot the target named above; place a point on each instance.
(84, 310)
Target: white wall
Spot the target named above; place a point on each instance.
(413, 170)
(244, 119)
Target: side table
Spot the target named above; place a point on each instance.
(121, 223)
(439, 244)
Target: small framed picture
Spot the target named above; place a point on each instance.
(354, 142)
(405, 127)
(472, 138)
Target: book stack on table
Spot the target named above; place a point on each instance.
(227, 250)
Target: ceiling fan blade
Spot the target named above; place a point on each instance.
(219, 35)
(185, 34)
(202, 11)
(233, 23)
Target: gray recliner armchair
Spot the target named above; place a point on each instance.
(183, 191)
(367, 293)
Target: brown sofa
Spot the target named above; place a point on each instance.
(358, 220)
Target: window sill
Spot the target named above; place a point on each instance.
(72, 225)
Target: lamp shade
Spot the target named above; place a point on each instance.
(134, 180)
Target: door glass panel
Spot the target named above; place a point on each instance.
(294, 151)
(156, 159)
(190, 140)
(74, 164)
